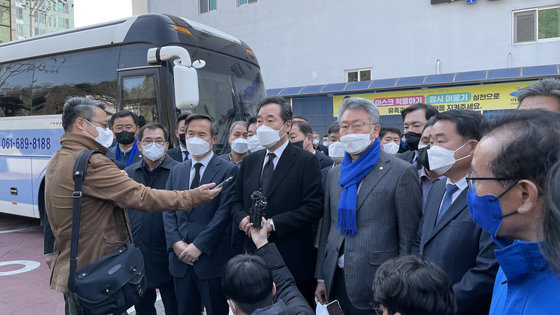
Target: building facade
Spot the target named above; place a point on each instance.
(26, 18)
(325, 41)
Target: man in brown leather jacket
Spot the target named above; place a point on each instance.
(106, 190)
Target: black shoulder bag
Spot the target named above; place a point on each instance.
(113, 283)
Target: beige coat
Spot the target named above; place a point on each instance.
(106, 190)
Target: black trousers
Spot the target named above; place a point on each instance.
(339, 293)
(193, 292)
(146, 305)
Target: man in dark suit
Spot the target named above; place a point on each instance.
(301, 136)
(147, 227)
(200, 237)
(180, 152)
(447, 233)
(124, 125)
(238, 143)
(372, 209)
(290, 179)
(414, 118)
(317, 144)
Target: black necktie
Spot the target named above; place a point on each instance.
(185, 155)
(266, 176)
(196, 179)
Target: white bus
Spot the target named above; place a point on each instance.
(142, 64)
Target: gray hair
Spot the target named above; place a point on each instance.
(75, 107)
(235, 123)
(355, 103)
(543, 87)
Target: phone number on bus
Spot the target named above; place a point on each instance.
(26, 143)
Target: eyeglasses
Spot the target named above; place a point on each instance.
(102, 124)
(471, 180)
(359, 126)
(150, 141)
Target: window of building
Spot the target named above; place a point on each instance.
(242, 2)
(358, 75)
(536, 24)
(207, 5)
(19, 28)
(5, 16)
(19, 13)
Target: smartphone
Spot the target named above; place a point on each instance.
(224, 182)
(334, 308)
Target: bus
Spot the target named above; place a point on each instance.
(154, 65)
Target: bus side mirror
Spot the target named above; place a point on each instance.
(185, 81)
(185, 78)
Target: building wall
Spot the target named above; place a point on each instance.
(57, 15)
(315, 41)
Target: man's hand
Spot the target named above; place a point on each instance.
(321, 293)
(49, 260)
(179, 247)
(245, 225)
(259, 235)
(190, 254)
(206, 192)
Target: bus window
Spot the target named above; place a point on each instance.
(139, 97)
(15, 88)
(87, 73)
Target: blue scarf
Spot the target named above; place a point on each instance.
(133, 153)
(351, 174)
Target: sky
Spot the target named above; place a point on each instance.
(88, 12)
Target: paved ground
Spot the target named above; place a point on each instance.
(24, 276)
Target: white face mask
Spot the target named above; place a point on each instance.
(336, 151)
(442, 159)
(240, 146)
(315, 142)
(422, 146)
(391, 148)
(326, 143)
(267, 136)
(197, 146)
(355, 143)
(104, 137)
(153, 151)
(254, 144)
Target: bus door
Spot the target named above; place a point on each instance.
(138, 91)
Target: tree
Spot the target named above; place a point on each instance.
(39, 7)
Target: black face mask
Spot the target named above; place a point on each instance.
(412, 140)
(182, 139)
(125, 137)
(298, 144)
(422, 157)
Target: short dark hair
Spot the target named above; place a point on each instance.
(543, 87)
(469, 124)
(551, 220)
(285, 108)
(385, 130)
(251, 120)
(153, 126)
(182, 117)
(334, 127)
(299, 117)
(247, 280)
(75, 107)
(213, 125)
(303, 126)
(124, 113)
(432, 121)
(413, 285)
(530, 150)
(430, 110)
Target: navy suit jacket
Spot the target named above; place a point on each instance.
(176, 154)
(461, 248)
(206, 226)
(324, 160)
(295, 203)
(147, 227)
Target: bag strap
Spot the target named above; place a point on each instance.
(78, 174)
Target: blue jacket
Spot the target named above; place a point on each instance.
(147, 227)
(524, 283)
